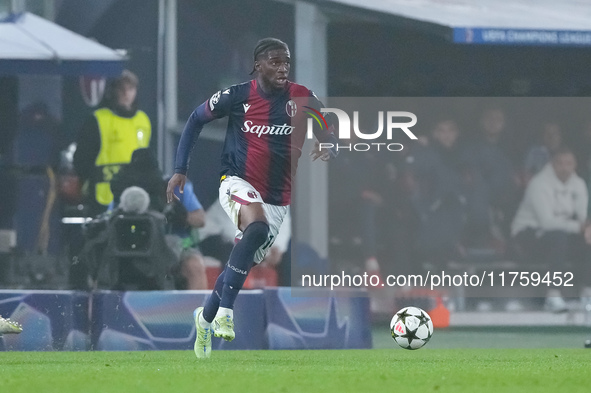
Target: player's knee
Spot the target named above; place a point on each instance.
(257, 232)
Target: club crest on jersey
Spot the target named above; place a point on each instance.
(214, 99)
(291, 108)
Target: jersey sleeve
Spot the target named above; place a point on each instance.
(220, 104)
(217, 106)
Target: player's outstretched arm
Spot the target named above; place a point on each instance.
(217, 106)
(200, 116)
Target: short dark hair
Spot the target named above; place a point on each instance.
(265, 45)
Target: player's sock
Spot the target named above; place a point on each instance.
(241, 260)
(203, 323)
(223, 312)
(213, 301)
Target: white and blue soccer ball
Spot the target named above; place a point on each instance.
(411, 328)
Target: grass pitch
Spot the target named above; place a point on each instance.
(378, 370)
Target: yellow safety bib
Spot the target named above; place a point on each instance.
(120, 137)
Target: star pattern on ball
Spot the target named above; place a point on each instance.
(403, 314)
(410, 335)
(424, 320)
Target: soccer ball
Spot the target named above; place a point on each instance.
(411, 328)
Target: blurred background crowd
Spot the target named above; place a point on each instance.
(486, 186)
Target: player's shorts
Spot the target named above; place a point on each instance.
(236, 192)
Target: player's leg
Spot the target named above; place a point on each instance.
(255, 229)
(213, 301)
(212, 304)
(274, 217)
(234, 194)
(204, 316)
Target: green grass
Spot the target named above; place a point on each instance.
(378, 370)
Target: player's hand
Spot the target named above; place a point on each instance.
(177, 180)
(317, 153)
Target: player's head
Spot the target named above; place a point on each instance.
(272, 62)
(564, 163)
